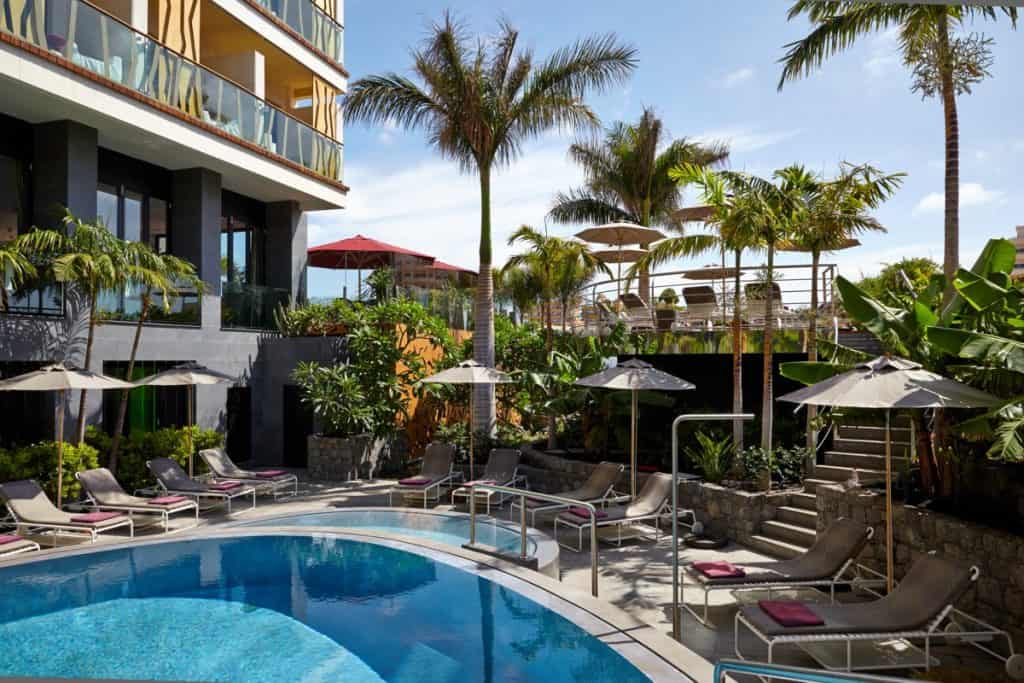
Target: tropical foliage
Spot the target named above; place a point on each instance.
(897, 281)
(38, 461)
(138, 447)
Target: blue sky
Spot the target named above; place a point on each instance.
(709, 70)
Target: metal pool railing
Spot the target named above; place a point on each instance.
(776, 672)
(523, 495)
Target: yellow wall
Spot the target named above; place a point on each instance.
(424, 415)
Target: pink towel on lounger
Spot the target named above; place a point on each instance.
(167, 500)
(225, 485)
(480, 481)
(415, 481)
(8, 538)
(790, 613)
(269, 474)
(719, 570)
(585, 513)
(94, 517)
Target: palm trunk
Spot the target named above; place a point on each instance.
(812, 348)
(924, 454)
(483, 329)
(766, 395)
(951, 254)
(80, 428)
(737, 358)
(549, 343)
(122, 408)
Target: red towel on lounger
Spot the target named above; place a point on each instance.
(225, 485)
(415, 481)
(480, 481)
(790, 613)
(585, 513)
(719, 570)
(270, 474)
(95, 517)
(8, 538)
(167, 500)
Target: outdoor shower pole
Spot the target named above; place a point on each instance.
(677, 632)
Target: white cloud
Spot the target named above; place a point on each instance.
(883, 58)
(737, 77)
(971, 194)
(1019, 145)
(747, 139)
(387, 133)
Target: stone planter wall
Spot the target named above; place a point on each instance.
(999, 595)
(360, 457)
(735, 514)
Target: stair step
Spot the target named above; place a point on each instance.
(789, 533)
(837, 474)
(775, 547)
(872, 433)
(863, 461)
(804, 501)
(797, 516)
(869, 446)
(811, 484)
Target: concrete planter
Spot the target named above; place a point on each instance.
(357, 457)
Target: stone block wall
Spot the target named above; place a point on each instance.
(732, 513)
(998, 597)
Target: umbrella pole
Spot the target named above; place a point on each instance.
(632, 444)
(188, 436)
(60, 447)
(888, 505)
(472, 401)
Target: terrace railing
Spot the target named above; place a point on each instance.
(91, 39)
(312, 23)
(727, 670)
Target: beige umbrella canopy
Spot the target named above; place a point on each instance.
(710, 273)
(635, 376)
(889, 384)
(620, 234)
(60, 378)
(186, 375)
(620, 256)
(848, 243)
(469, 372)
(694, 214)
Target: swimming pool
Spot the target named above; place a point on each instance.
(276, 608)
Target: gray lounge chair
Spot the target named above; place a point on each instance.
(829, 562)
(597, 489)
(920, 608)
(502, 469)
(31, 509)
(11, 545)
(277, 482)
(650, 504)
(701, 305)
(171, 478)
(104, 493)
(436, 470)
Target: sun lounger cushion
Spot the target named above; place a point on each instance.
(480, 481)
(9, 538)
(416, 481)
(94, 517)
(585, 513)
(226, 485)
(790, 613)
(270, 474)
(167, 500)
(718, 569)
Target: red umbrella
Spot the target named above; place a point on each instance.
(361, 253)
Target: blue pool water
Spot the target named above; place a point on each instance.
(447, 529)
(284, 608)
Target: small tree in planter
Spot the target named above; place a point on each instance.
(340, 406)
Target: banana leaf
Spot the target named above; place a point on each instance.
(979, 347)
(998, 256)
(808, 372)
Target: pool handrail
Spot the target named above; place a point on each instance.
(794, 674)
(523, 495)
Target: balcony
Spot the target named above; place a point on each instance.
(312, 23)
(250, 307)
(90, 40)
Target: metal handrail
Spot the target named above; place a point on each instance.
(677, 632)
(794, 673)
(523, 495)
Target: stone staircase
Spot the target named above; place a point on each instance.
(859, 447)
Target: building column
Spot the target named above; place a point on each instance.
(64, 172)
(286, 248)
(195, 224)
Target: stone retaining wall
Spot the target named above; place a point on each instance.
(999, 595)
(732, 513)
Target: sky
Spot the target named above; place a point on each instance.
(709, 69)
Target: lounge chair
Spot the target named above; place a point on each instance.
(701, 305)
(104, 493)
(175, 481)
(436, 470)
(650, 504)
(31, 509)
(502, 469)
(920, 608)
(827, 563)
(12, 544)
(756, 298)
(596, 489)
(637, 313)
(273, 481)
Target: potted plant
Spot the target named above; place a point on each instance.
(665, 311)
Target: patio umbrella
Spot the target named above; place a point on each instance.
(694, 214)
(469, 372)
(619, 235)
(60, 378)
(186, 375)
(361, 253)
(635, 376)
(888, 384)
(619, 256)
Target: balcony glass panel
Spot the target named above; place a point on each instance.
(97, 42)
(42, 301)
(310, 22)
(250, 306)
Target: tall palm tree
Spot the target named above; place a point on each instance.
(478, 101)
(944, 64)
(521, 287)
(160, 276)
(15, 270)
(573, 273)
(832, 213)
(627, 180)
(88, 257)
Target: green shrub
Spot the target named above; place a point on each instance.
(712, 456)
(787, 464)
(39, 461)
(163, 443)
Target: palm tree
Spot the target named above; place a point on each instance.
(88, 257)
(157, 275)
(478, 101)
(832, 213)
(944, 65)
(522, 286)
(15, 270)
(627, 180)
(572, 275)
